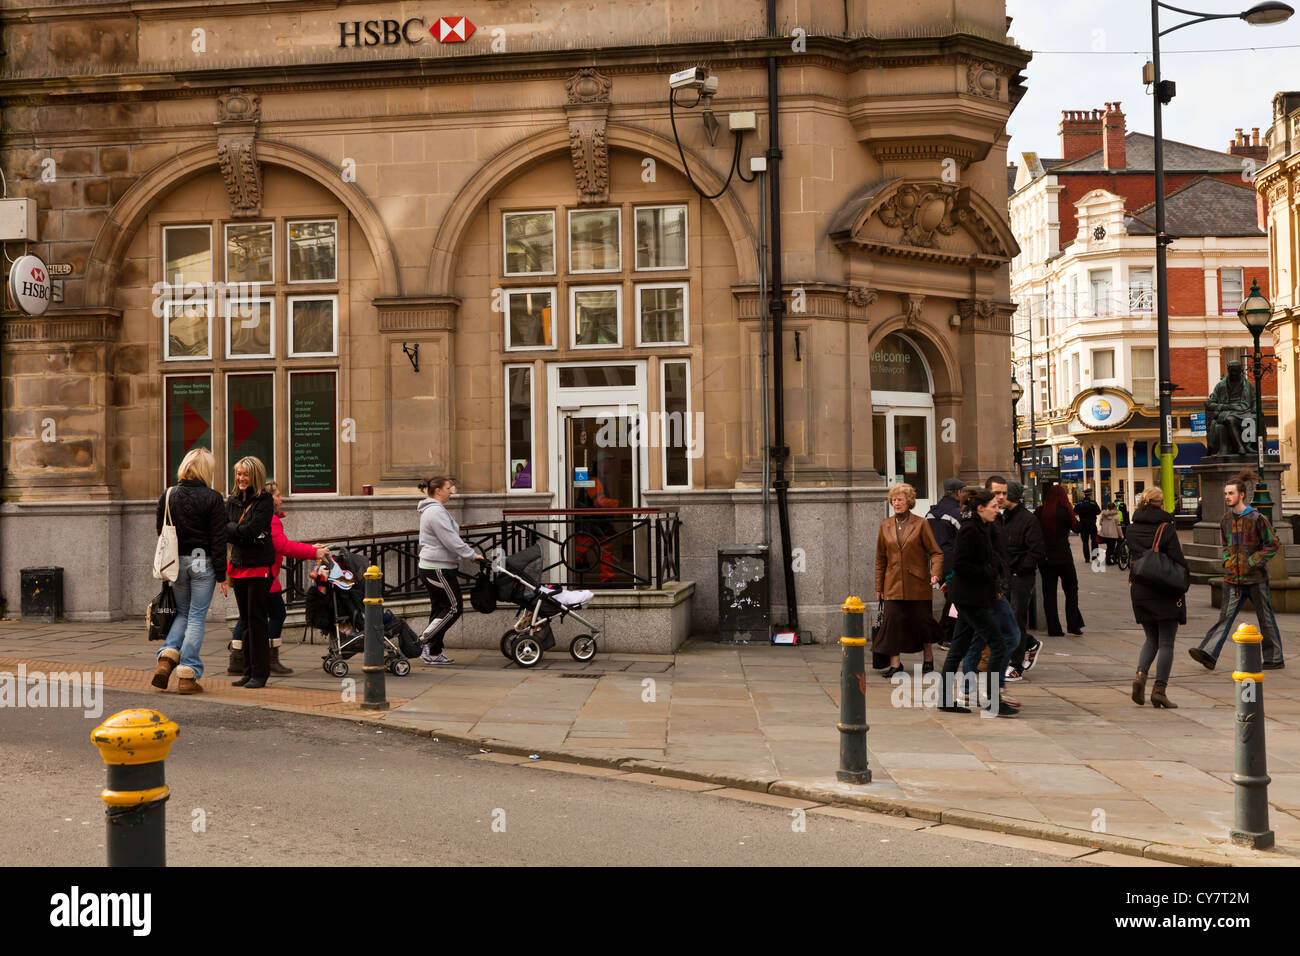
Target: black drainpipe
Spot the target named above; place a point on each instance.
(776, 303)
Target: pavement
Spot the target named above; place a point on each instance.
(1081, 765)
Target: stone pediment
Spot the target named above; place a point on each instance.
(928, 220)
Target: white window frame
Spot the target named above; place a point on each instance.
(1149, 288)
(225, 249)
(167, 325)
(1100, 309)
(1132, 375)
(532, 428)
(288, 252)
(573, 315)
(505, 315)
(1092, 365)
(1223, 309)
(505, 269)
(289, 304)
(687, 431)
(686, 312)
(232, 303)
(618, 211)
(227, 439)
(686, 238)
(167, 280)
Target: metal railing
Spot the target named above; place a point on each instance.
(581, 548)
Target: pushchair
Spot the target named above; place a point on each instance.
(518, 581)
(335, 606)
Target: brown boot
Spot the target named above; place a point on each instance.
(1139, 689)
(236, 665)
(276, 667)
(1158, 698)
(167, 661)
(187, 684)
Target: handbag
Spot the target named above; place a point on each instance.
(878, 661)
(161, 613)
(166, 555)
(1157, 570)
(483, 596)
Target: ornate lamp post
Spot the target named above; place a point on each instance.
(1262, 14)
(1017, 391)
(1254, 314)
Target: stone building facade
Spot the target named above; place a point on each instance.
(267, 214)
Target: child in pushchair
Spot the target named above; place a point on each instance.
(518, 581)
(335, 606)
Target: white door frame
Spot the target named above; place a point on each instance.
(915, 405)
(594, 402)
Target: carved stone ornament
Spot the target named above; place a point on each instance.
(982, 80)
(914, 303)
(588, 86)
(590, 162)
(237, 156)
(861, 296)
(238, 106)
(921, 211)
(975, 308)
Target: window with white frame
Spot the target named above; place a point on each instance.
(1144, 376)
(595, 316)
(1099, 280)
(529, 246)
(250, 328)
(530, 319)
(519, 428)
(1076, 379)
(1230, 291)
(250, 252)
(1103, 364)
(1040, 391)
(1232, 354)
(660, 237)
(1141, 293)
(1073, 301)
(662, 314)
(594, 240)
(313, 250)
(676, 439)
(313, 325)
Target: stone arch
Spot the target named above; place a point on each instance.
(945, 370)
(518, 157)
(116, 234)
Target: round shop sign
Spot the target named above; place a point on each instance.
(1104, 411)
(29, 284)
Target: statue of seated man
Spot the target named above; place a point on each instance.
(1231, 404)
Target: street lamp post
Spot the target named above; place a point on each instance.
(1262, 14)
(1254, 314)
(1017, 391)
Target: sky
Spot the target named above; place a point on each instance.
(1111, 39)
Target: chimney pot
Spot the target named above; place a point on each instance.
(1254, 136)
(1241, 141)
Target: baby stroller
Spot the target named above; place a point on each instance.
(518, 582)
(335, 606)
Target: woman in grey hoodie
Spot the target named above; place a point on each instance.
(441, 548)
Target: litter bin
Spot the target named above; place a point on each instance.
(42, 594)
(744, 594)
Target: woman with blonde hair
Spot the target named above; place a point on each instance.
(908, 565)
(200, 519)
(1159, 612)
(249, 511)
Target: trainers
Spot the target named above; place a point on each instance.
(1031, 655)
(1010, 702)
(1013, 675)
(427, 658)
(438, 659)
(1198, 655)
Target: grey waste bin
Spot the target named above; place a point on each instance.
(42, 594)
(744, 594)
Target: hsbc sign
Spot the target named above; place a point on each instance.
(358, 33)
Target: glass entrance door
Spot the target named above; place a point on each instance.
(903, 449)
(601, 469)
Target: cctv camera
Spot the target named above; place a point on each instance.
(693, 78)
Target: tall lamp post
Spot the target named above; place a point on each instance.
(1017, 391)
(1262, 14)
(1254, 314)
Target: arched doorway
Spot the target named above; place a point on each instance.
(902, 417)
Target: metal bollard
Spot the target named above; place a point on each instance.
(853, 697)
(1251, 779)
(376, 695)
(134, 745)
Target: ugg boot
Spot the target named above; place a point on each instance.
(1158, 698)
(276, 667)
(187, 683)
(1139, 689)
(167, 661)
(236, 665)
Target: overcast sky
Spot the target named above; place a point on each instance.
(1217, 91)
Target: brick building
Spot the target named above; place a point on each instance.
(1085, 285)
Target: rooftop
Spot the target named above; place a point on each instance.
(1204, 207)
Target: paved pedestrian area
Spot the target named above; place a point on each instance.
(1081, 754)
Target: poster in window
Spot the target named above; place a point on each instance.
(521, 475)
(250, 419)
(313, 433)
(909, 459)
(188, 413)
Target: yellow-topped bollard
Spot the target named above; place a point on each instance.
(376, 693)
(1250, 778)
(134, 745)
(853, 696)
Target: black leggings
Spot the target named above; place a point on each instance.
(445, 606)
(1065, 573)
(252, 594)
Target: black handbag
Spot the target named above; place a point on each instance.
(878, 661)
(483, 596)
(1157, 570)
(161, 613)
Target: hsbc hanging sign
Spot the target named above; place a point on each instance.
(357, 33)
(29, 285)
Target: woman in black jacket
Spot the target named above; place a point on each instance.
(252, 552)
(1157, 611)
(200, 519)
(1058, 520)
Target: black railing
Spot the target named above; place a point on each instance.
(581, 548)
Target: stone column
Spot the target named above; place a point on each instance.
(1096, 471)
(1132, 490)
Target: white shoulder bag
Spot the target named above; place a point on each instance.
(166, 556)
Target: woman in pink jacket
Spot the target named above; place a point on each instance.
(284, 548)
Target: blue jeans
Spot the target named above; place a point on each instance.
(1234, 596)
(1005, 619)
(193, 587)
(974, 622)
(276, 614)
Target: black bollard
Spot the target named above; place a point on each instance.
(134, 745)
(853, 697)
(376, 693)
(1250, 779)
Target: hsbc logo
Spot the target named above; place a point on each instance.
(358, 33)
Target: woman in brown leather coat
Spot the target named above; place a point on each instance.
(908, 565)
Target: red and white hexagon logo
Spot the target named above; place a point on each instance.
(452, 29)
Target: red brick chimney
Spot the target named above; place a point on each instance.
(1252, 149)
(1080, 133)
(1112, 140)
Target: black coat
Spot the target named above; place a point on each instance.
(199, 515)
(1088, 513)
(1023, 537)
(945, 519)
(1058, 545)
(249, 531)
(974, 565)
(1149, 604)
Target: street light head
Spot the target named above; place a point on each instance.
(1267, 14)
(1256, 310)
(1017, 390)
